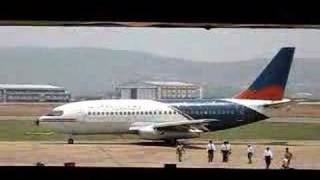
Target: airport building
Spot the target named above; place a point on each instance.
(33, 93)
(158, 90)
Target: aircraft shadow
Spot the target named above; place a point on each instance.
(193, 145)
(143, 143)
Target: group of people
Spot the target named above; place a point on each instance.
(268, 156)
(226, 152)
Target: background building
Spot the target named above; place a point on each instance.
(33, 93)
(158, 90)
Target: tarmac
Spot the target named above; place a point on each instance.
(140, 153)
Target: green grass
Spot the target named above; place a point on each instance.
(270, 130)
(25, 130)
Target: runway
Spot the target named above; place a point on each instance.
(135, 153)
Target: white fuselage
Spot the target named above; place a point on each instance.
(109, 116)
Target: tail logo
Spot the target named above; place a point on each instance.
(271, 83)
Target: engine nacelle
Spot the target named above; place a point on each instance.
(153, 134)
(149, 133)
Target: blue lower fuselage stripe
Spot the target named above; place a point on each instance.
(228, 114)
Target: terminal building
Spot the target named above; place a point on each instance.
(33, 93)
(159, 90)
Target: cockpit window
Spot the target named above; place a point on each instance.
(55, 113)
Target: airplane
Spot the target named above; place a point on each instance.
(171, 121)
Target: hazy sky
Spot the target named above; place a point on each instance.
(194, 44)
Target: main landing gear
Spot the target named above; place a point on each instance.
(70, 141)
(172, 142)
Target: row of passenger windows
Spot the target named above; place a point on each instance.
(133, 113)
(198, 112)
(205, 112)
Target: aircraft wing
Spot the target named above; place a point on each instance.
(181, 126)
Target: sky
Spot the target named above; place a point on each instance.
(213, 45)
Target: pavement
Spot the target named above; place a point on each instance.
(140, 153)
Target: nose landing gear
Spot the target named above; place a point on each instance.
(37, 122)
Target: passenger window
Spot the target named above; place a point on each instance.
(107, 113)
(138, 113)
(129, 113)
(170, 112)
(93, 113)
(89, 113)
(150, 112)
(145, 113)
(111, 113)
(160, 112)
(120, 113)
(116, 113)
(124, 113)
(174, 112)
(133, 113)
(165, 112)
(155, 113)
(205, 112)
(98, 113)
(102, 113)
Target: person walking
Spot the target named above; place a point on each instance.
(210, 149)
(288, 155)
(268, 157)
(250, 153)
(224, 151)
(179, 151)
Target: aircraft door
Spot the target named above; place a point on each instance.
(241, 112)
(82, 115)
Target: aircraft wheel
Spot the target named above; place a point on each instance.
(172, 142)
(70, 141)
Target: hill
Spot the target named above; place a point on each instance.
(92, 71)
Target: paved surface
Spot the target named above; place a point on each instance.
(152, 154)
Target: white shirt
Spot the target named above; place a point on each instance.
(267, 153)
(224, 147)
(250, 149)
(211, 147)
(228, 147)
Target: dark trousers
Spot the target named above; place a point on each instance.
(225, 156)
(268, 161)
(250, 157)
(210, 155)
(289, 159)
(179, 156)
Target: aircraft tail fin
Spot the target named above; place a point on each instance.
(271, 83)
